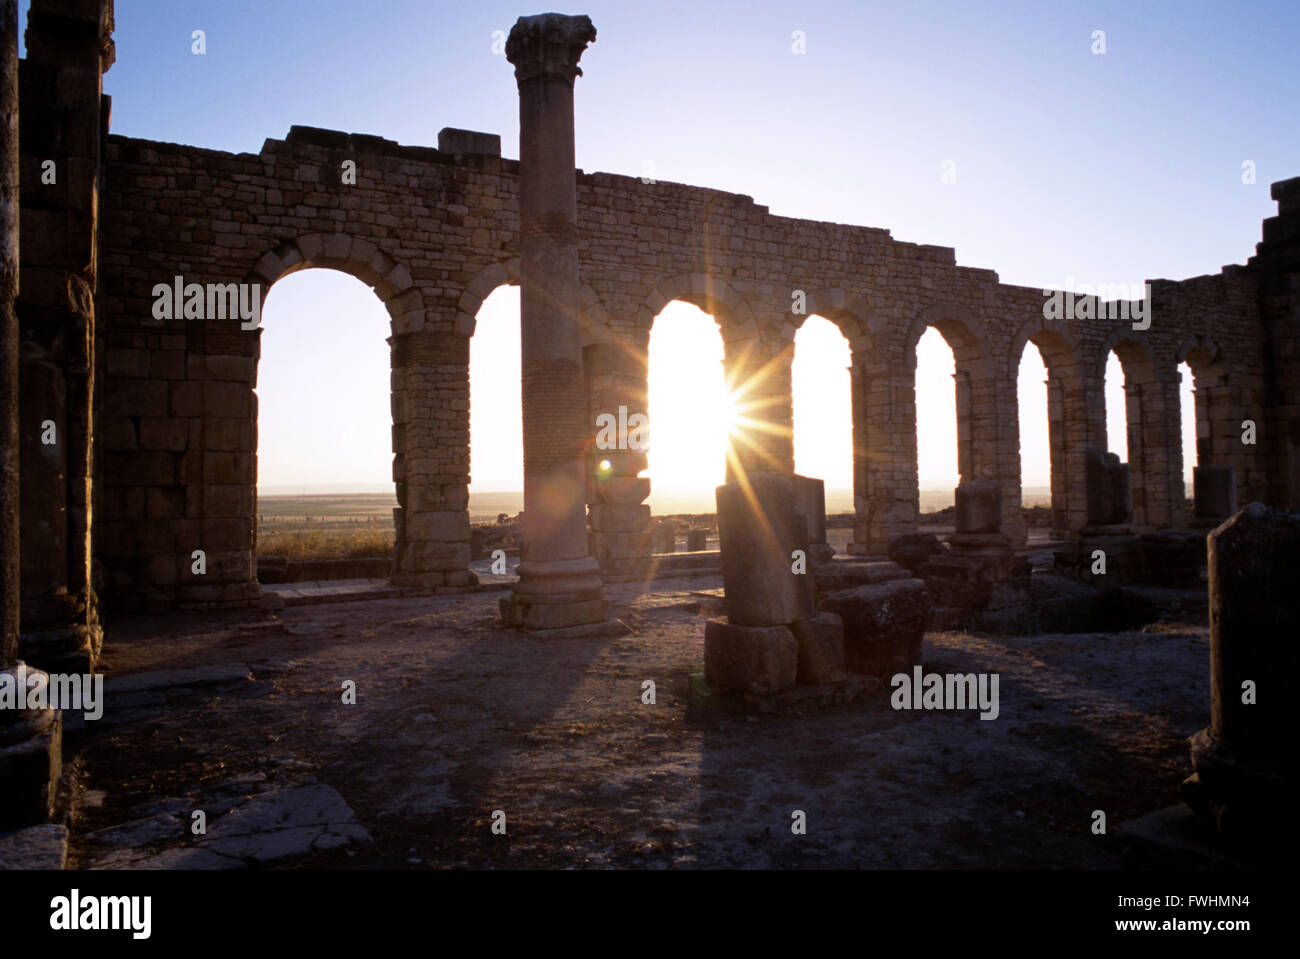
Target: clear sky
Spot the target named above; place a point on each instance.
(1070, 167)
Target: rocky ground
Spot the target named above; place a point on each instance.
(242, 717)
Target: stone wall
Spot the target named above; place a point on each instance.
(435, 231)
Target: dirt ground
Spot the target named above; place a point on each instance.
(457, 717)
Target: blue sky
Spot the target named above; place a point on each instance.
(1106, 168)
(1125, 165)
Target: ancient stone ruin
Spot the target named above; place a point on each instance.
(125, 325)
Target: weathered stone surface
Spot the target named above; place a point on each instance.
(1243, 761)
(285, 823)
(555, 427)
(810, 502)
(35, 847)
(759, 530)
(1215, 491)
(911, 550)
(1107, 480)
(521, 612)
(115, 686)
(979, 506)
(883, 625)
(821, 649)
(221, 217)
(756, 659)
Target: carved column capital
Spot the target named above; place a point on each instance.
(548, 45)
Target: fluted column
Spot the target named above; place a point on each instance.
(559, 583)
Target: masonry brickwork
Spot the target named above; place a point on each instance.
(170, 451)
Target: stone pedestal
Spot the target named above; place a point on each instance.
(1215, 492)
(1243, 781)
(753, 659)
(1109, 492)
(1109, 527)
(559, 583)
(619, 537)
(980, 570)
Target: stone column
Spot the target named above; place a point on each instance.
(8, 332)
(30, 739)
(559, 583)
(1243, 761)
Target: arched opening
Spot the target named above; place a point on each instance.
(1187, 424)
(938, 414)
(495, 415)
(823, 410)
(690, 412)
(1136, 428)
(496, 435)
(322, 415)
(1035, 439)
(1117, 422)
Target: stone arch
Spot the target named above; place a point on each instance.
(593, 319)
(1216, 415)
(1067, 423)
(850, 313)
(963, 332)
(719, 299)
(1154, 440)
(391, 281)
(857, 323)
(977, 419)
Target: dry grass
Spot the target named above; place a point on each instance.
(305, 544)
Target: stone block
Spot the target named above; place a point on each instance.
(468, 142)
(821, 649)
(911, 550)
(883, 625)
(1215, 492)
(756, 659)
(607, 518)
(979, 506)
(810, 501)
(1109, 496)
(419, 557)
(759, 530)
(622, 490)
(440, 527)
(527, 614)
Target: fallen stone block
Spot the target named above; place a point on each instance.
(883, 625)
(911, 550)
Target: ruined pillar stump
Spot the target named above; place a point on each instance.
(559, 583)
(758, 530)
(979, 579)
(810, 502)
(1243, 781)
(1214, 491)
(1107, 550)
